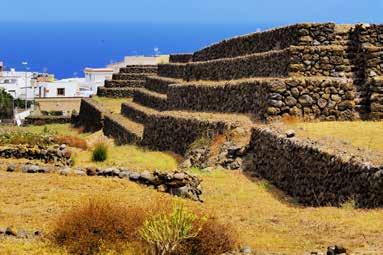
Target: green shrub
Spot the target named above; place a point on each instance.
(100, 152)
(6, 105)
(164, 232)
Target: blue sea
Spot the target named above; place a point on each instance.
(66, 49)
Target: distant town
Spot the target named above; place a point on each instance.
(41, 94)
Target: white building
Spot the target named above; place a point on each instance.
(139, 60)
(18, 84)
(76, 87)
(95, 77)
(61, 88)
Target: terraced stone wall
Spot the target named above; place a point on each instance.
(115, 92)
(369, 35)
(376, 98)
(374, 61)
(91, 116)
(314, 177)
(280, 38)
(172, 133)
(367, 43)
(124, 83)
(121, 135)
(158, 84)
(331, 61)
(268, 99)
(44, 120)
(274, 63)
(181, 58)
(242, 97)
(173, 70)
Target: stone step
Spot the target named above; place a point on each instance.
(123, 130)
(177, 130)
(142, 66)
(169, 130)
(137, 112)
(333, 60)
(313, 34)
(267, 98)
(129, 76)
(115, 92)
(124, 83)
(139, 69)
(151, 99)
(181, 58)
(159, 84)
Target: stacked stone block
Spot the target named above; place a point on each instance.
(376, 98)
(126, 81)
(311, 71)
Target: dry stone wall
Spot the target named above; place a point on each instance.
(173, 70)
(91, 116)
(331, 61)
(115, 92)
(242, 97)
(267, 99)
(293, 61)
(315, 98)
(267, 64)
(129, 76)
(113, 127)
(159, 84)
(150, 99)
(181, 58)
(368, 34)
(44, 120)
(311, 175)
(124, 83)
(276, 39)
(374, 61)
(308, 50)
(139, 69)
(56, 154)
(171, 133)
(376, 98)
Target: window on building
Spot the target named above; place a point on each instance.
(61, 92)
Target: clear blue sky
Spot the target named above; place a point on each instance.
(195, 11)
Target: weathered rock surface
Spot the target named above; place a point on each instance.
(51, 154)
(178, 183)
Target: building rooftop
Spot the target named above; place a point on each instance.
(95, 70)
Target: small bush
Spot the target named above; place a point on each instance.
(72, 141)
(98, 226)
(214, 238)
(100, 152)
(164, 232)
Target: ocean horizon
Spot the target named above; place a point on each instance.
(65, 49)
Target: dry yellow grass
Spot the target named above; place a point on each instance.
(266, 220)
(129, 156)
(58, 104)
(111, 104)
(62, 129)
(364, 134)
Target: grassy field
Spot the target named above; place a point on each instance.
(266, 219)
(112, 104)
(364, 134)
(62, 129)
